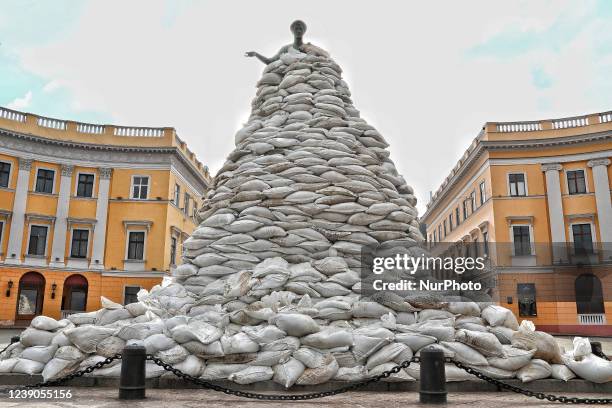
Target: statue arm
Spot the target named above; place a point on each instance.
(264, 59)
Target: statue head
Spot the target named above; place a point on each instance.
(298, 28)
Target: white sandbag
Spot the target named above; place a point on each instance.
(252, 374)
(192, 365)
(536, 370)
(486, 343)
(288, 373)
(351, 374)
(464, 308)
(6, 366)
(513, 358)
(137, 308)
(370, 309)
(328, 338)
(582, 347)
(561, 372)
(264, 334)
(286, 343)
(494, 372)
(109, 304)
(386, 354)
(500, 316)
(295, 324)
(401, 376)
(503, 334)
(58, 367)
(158, 342)
(220, 371)
(86, 338)
(433, 314)
(42, 354)
(34, 337)
(45, 323)
(60, 340)
(30, 367)
(238, 343)
(271, 358)
(196, 330)
(527, 338)
(415, 341)
(465, 354)
(109, 316)
(309, 357)
(321, 374)
(110, 346)
(590, 368)
(83, 318)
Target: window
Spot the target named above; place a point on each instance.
(5, 172)
(140, 187)
(38, 240)
(485, 243)
(44, 181)
(130, 294)
(440, 232)
(80, 238)
(187, 203)
(172, 250)
(1, 230)
(465, 210)
(457, 218)
(527, 299)
(472, 202)
(516, 185)
(522, 240)
(445, 230)
(435, 237)
(136, 241)
(85, 185)
(583, 240)
(450, 221)
(575, 182)
(483, 193)
(177, 194)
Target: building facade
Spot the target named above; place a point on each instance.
(535, 198)
(89, 210)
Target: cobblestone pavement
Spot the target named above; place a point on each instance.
(107, 397)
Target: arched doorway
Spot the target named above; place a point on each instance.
(30, 297)
(589, 299)
(74, 295)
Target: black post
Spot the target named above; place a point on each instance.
(433, 377)
(15, 339)
(597, 350)
(132, 381)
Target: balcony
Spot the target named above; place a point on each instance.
(592, 319)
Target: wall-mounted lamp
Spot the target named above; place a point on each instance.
(53, 288)
(8, 290)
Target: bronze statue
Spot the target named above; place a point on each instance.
(298, 28)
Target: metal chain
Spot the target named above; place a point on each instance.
(62, 380)
(528, 393)
(289, 397)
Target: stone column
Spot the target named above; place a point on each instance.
(602, 198)
(555, 212)
(99, 238)
(13, 253)
(61, 218)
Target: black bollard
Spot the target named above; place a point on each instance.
(597, 350)
(433, 377)
(132, 381)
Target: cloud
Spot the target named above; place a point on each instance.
(52, 86)
(21, 103)
(422, 85)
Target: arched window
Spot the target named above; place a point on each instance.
(30, 297)
(74, 296)
(589, 296)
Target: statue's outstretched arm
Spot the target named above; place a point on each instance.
(259, 57)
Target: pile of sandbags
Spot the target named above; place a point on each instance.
(270, 284)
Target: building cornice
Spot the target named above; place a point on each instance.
(488, 145)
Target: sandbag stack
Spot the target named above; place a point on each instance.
(270, 284)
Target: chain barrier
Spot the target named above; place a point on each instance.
(62, 380)
(528, 393)
(301, 397)
(289, 397)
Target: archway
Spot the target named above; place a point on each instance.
(30, 297)
(74, 295)
(589, 298)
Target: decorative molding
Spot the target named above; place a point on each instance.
(6, 214)
(88, 221)
(67, 170)
(571, 217)
(598, 162)
(105, 172)
(516, 218)
(137, 223)
(25, 164)
(551, 167)
(39, 217)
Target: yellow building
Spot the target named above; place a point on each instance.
(89, 210)
(535, 196)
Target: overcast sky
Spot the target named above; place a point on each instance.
(426, 74)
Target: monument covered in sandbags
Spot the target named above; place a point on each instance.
(270, 286)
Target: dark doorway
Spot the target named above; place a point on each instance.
(74, 295)
(589, 296)
(30, 297)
